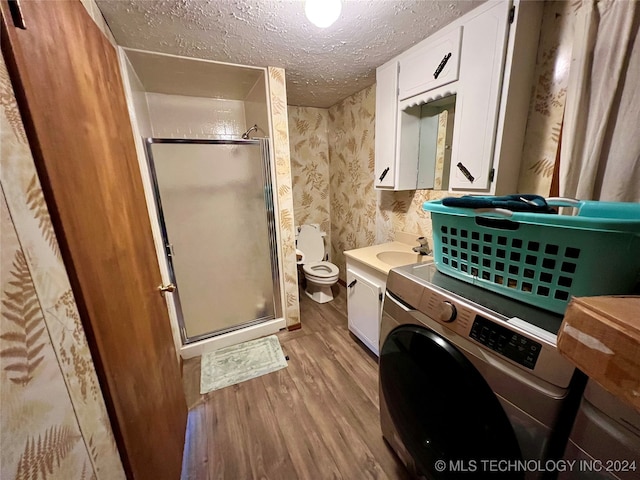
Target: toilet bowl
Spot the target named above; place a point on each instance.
(320, 275)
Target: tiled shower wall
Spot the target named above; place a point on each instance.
(179, 116)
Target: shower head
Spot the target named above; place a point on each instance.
(245, 135)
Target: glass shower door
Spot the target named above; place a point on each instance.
(215, 204)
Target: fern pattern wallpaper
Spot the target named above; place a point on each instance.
(309, 140)
(278, 98)
(351, 165)
(332, 163)
(53, 420)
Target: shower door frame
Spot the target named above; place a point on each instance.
(270, 207)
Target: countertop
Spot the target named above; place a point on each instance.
(601, 336)
(369, 256)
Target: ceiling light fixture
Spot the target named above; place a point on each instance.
(322, 13)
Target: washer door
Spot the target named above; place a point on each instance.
(442, 408)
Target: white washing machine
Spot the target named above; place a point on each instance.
(471, 383)
(605, 439)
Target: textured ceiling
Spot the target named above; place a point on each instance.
(323, 66)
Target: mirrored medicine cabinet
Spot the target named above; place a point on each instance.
(426, 135)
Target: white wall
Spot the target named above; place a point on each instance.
(256, 111)
(139, 100)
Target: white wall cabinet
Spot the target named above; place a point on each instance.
(386, 119)
(365, 290)
(493, 51)
(432, 64)
(478, 101)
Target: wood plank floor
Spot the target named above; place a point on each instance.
(316, 419)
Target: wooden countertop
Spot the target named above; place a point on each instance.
(601, 336)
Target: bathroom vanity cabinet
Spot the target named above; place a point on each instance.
(480, 70)
(367, 270)
(365, 291)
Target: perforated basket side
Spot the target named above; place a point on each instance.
(540, 265)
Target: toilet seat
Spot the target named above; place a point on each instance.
(322, 270)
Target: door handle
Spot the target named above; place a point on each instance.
(166, 288)
(384, 173)
(352, 283)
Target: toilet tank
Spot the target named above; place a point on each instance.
(310, 243)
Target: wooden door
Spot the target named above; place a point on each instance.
(70, 94)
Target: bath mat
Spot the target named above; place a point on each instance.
(237, 363)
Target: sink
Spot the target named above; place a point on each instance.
(396, 259)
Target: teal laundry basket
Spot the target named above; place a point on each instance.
(541, 259)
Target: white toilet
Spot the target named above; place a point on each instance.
(320, 275)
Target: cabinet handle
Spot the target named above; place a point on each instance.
(465, 172)
(384, 173)
(352, 283)
(444, 61)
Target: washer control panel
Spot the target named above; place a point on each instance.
(506, 342)
(478, 316)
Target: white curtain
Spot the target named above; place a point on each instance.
(600, 152)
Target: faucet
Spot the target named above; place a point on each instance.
(423, 249)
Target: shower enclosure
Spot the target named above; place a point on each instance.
(215, 208)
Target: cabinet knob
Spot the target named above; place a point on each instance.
(384, 173)
(352, 283)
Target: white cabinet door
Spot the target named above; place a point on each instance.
(490, 73)
(386, 118)
(364, 309)
(478, 101)
(435, 63)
